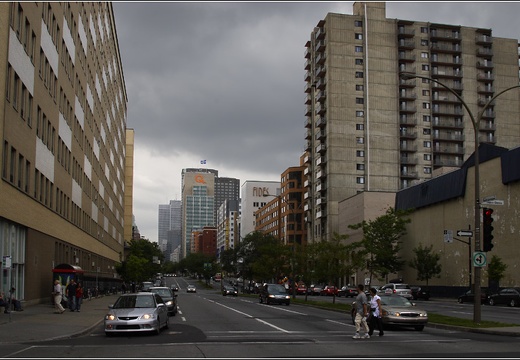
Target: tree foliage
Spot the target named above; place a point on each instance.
(139, 264)
(381, 242)
(426, 262)
(496, 271)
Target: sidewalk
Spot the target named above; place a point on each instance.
(39, 322)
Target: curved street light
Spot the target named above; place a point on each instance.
(476, 126)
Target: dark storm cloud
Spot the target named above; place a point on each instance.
(224, 82)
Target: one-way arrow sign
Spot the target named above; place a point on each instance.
(464, 233)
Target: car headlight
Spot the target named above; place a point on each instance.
(271, 296)
(110, 317)
(287, 297)
(169, 303)
(147, 316)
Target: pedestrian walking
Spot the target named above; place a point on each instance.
(57, 293)
(79, 296)
(361, 313)
(71, 295)
(375, 313)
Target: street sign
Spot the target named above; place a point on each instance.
(464, 233)
(493, 202)
(448, 236)
(479, 259)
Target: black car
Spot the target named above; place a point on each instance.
(469, 297)
(348, 291)
(170, 299)
(420, 293)
(508, 296)
(229, 290)
(274, 294)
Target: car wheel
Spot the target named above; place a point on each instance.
(108, 334)
(261, 300)
(460, 300)
(491, 302)
(419, 327)
(512, 303)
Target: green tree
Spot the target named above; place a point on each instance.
(381, 242)
(496, 271)
(142, 251)
(426, 262)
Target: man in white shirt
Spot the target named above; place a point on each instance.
(57, 297)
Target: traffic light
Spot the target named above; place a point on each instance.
(487, 228)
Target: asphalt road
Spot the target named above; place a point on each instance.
(210, 325)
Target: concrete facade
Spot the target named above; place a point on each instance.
(63, 126)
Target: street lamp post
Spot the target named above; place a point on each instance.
(476, 127)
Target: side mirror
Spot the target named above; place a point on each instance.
(110, 306)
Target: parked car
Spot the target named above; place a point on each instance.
(508, 296)
(348, 291)
(420, 293)
(137, 312)
(397, 289)
(301, 289)
(398, 310)
(191, 288)
(469, 297)
(274, 294)
(314, 290)
(146, 285)
(170, 299)
(329, 291)
(229, 290)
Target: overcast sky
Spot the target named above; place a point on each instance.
(224, 82)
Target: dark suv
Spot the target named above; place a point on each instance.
(274, 294)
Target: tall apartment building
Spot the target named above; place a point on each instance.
(170, 227)
(63, 190)
(370, 129)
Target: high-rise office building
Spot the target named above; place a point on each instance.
(371, 129)
(228, 230)
(63, 112)
(169, 227)
(198, 203)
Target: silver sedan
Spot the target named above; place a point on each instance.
(141, 312)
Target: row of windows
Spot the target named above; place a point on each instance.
(17, 170)
(18, 95)
(22, 27)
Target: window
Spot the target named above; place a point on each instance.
(360, 180)
(424, 42)
(360, 113)
(427, 144)
(360, 153)
(426, 67)
(424, 30)
(359, 61)
(425, 105)
(359, 74)
(360, 100)
(358, 36)
(426, 131)
(358, 23)
(360, 140)
(427, 170)
(426, 92)
(427, 157)
(360, 127)
(360, 166)
(359, 49)
(359, 87)
(424, 55)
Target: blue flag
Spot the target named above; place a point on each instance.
(203, 161)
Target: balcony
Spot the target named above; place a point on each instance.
(320, 135)
(408, 108)
(408, 147)
(404, 32)
(484, 101)
(486, 126)
(407, 95)
(490, 139)
(448, 137)
(485, 64)
(447, 162)
(483, 39)
(321, 83)
(406, 45)
(321, 95)
(448, 124)
(447, 110)
(320, 33)
(320, 46)
(308, 122)
(407, 83)
(321, 160)
(446, 149)
(446, 73)
(308, 110)
(445, 35)
(321, 174)
(406, 56)
(488, 114)
(307, 52)
(409, 160)
(485, 77)
(308, 64)
(486, 89)
(412, 135)
(321, 70)
(308, 99)
(321, 109)
(445, 59)
(307, 76)
(308, 134)
(446, 48)
(407, 120)
(485, 52)
(321, 148)
(321, 121)
(409, 174)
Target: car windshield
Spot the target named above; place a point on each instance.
(134, 301)
(395, 301)
(165, 293)
(276, 289)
